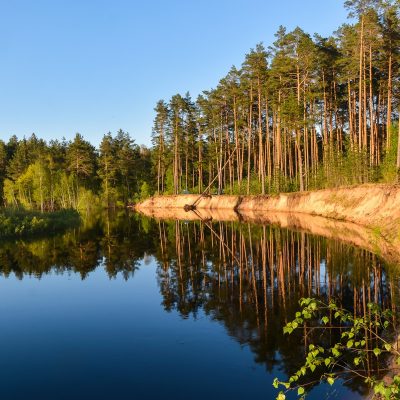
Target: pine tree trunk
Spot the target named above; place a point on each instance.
(360, 87)
(389, 105)
(398, 145)
(261, 165)
(249, 137)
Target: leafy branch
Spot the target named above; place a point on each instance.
(365, 343)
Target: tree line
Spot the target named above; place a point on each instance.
(35, 174)
(305, 113)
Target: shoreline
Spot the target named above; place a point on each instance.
(329, 228)
(367, 215)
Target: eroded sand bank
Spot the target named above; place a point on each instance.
(373, 206)
(367, 216)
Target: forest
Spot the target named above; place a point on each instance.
(74, 174)
(306, 112)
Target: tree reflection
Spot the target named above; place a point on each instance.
(114, 241)
(250, 278)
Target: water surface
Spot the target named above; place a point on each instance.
(127, 307)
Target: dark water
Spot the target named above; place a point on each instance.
(132, 308)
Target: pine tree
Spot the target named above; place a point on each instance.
(81, 159)
(159, 134)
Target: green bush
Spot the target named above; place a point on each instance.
(362, 348)
(22, 223)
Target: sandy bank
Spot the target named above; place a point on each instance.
(374, 206)
(367, 216)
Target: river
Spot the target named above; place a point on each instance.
(129, 307)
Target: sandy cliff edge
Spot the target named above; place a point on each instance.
(374, 206)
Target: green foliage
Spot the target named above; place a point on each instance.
(144, 191)
(169, 181)
(361, 337)
(81, 158)
(87, 201)
(350, 167)
(388, 169)
(23, 223)
(36, 175)
(254, 186)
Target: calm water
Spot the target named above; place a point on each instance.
(131, 308)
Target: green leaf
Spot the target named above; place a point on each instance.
(377, 351)
(327, 361)
(281, 396)
(350, 344)
(287, 329)
(335, 352)
(330, 380)
(325, 320)
(305, 301)
(300, 391)
(387, 346)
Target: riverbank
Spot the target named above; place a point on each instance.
(24, 223)
(374, 206)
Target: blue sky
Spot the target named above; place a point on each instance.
(93, 66)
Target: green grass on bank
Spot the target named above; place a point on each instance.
(23, 223)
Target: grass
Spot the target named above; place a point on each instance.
(15, 223)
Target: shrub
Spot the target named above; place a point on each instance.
(21, 223)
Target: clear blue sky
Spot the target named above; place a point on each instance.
(93, 66)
